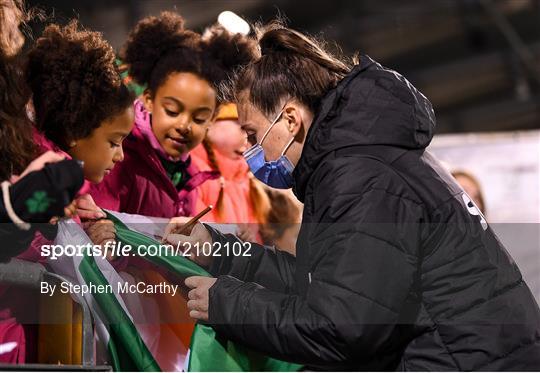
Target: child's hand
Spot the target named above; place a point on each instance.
(70, 210)
(101, 232)
(87, 208)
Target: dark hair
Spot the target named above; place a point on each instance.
(290, 65)
(160, 46)
(75, 83)
(16, 142)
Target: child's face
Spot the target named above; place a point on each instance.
(228, 138)
(103, 148)
(182, 110)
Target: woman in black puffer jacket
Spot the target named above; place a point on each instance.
(396, 268)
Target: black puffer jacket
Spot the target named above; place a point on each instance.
(395, 269)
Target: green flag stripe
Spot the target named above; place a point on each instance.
(120, 358)
(119, 322)
(211, 353)
(179, 265)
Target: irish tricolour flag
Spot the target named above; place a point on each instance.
(130, 333)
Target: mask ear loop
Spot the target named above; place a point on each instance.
(270, 127)
(287, 146)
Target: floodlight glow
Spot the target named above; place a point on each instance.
(233, 23)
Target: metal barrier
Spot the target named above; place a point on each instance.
(28, 274)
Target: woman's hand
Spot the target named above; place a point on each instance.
(199, 234)
(198, 296)
(87, 208)
(38, 163)
(175, 225)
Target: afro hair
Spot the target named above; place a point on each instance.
(160, 46)
(75, 83)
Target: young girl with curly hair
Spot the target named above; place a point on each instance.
(81, 106)
(181, 70)
(82, 111)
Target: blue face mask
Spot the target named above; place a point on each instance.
(278, 173)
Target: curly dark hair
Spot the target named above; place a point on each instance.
(16, 142)
(75, 83)
(160, 46)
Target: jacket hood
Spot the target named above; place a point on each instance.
(372, 105)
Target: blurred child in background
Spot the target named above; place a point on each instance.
(472, 187)
(237, 197)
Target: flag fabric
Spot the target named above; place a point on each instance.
(132, 344)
